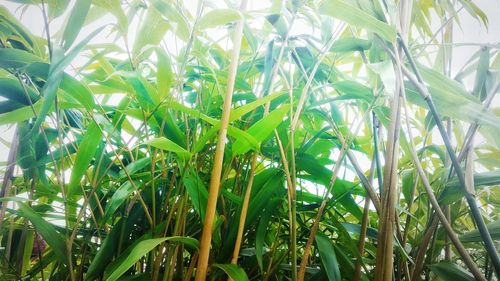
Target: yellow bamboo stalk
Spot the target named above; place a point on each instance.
(206, 237)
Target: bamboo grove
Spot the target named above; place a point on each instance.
(247, 140)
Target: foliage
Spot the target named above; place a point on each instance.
(117, 113)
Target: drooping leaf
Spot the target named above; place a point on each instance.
(232, 270)
(450, 272)
(474, 236)
(328, 257)
(262, 129)
(354, 16)
(350, 45)
(86, 151)
(75, 22)
(453, 190)
(219, 17)
(130, 256)
(168, 145)
(54, 239)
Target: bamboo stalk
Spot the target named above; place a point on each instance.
(206, 238)
(384, 257)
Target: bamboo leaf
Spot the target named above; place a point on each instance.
(237, 113)
(47, 230)
(118, 198)
(197, 192)
(350, 45)
(450, 272)
(15, 58)
(57, 66)
(133, 253)
(474, 236)
(75, 22)
(56, 7)
(164, 75)
(262, 231)
(151, 31)
(352, 15)
(219, 17)
(12, 90)
(262, 129)
(168, 145)
(453, 190)
(232, 270)
(328, 257)
(86, 151)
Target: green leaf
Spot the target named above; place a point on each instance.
(12, 90)
(133, 253)
(172, 15)
(278, 23)
(356, 228)
(218, 17)
(354, 90)
(352, 15)
(14, 58)
(168, 145)
(232, 270)
(262, 129)
(86, 151)
(107, 250)
(232, 131)
(56, 71)
(134, 167)
(450, 272)
(164, 75)
(453, 190)
(481, 74)
(47, 231)
(187, 241)
(76, 89)
(328, 257)
(474, 236)
(118, 198)
(350, 45)
(237, 113)
(56, 7)
(262, 230)
(75, 22)
(197, 192)
(151, 31)
(20, 114)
